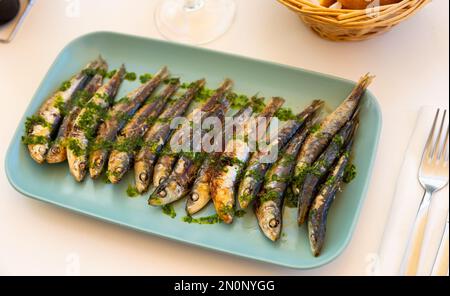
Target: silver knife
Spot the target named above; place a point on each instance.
(440, 266)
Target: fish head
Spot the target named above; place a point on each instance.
(96, 164)
(167, 192)
(142, 176)
(77, 166)
(118, 165)
(269, 219)
(198, 199)
(38, 151)
(160, 174)
(246, 189)
(56, 154)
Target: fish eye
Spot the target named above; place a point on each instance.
(273, 223)
(119, 170)
(82, 165)
(162, 193)
(162, 180)
(143, 177)
(55, 149)
(194, 196)
(41, 149)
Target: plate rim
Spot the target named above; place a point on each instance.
(316, 264)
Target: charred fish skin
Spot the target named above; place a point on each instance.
(177, 184)
(87, 122)
(156, 137)
(163, 168)
(57, 152)
(269, 205)
(237, 153)
(50, 114)
(200, 194)
(256, 169)
(319, 139)
(116, 119)
(317, 220)
(122, 156)
(321, 167)
(165, 163)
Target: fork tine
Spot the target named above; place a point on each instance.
(444, 152)
(428, 146)
(437, 144)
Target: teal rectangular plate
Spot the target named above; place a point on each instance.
(54, 184)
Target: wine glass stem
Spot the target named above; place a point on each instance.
(191, 5)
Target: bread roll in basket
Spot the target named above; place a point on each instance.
(368, 18)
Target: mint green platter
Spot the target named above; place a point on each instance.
(54, 184)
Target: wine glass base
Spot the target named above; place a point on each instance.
(202, 24)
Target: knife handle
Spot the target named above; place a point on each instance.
(440, 266)
(412, 255)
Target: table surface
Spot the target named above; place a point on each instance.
(412, 68)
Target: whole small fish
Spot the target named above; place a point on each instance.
(236, 154)
(46, 121)
(157, 136)
(177, 184)
(269, 204)
(319, 139)
(200, 192)
(256, 169)
(166, 162)
(57, 152)
(320, 168)
(117, 117)
(86, 123)
(318, 214)
(122, 155)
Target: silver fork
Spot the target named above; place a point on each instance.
(433, 176)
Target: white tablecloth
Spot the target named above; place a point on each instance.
(411, 64)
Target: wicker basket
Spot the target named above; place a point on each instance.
(352, 25)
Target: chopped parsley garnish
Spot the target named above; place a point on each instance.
(34, 120)
(213, 219)
(89, 72)
(169, 211)
(34, 140)
(203, 94)
(145, 77)
(65, 86)
(110, 74)
(350, 173)
(339, 140)
(315, 128)
(285, 114)
(132, 191)
(75, 146)
(257, 104)
(238, 101)
(130, 76)
(290, 200)
(268, 196)
(174, 80)
(240, 213)
(60, 104)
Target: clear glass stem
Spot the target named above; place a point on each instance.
(191, 5)
(194, 21)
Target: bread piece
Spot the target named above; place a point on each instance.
(327, 3)
(362, 4)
